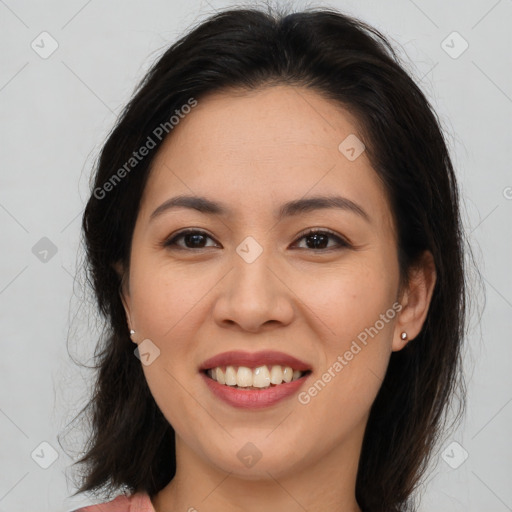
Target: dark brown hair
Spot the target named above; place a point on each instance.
(131, 444)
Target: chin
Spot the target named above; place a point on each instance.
(254, 460)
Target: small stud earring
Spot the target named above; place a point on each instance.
(132, 332)
(403, 335)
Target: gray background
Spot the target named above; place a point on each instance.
(55, 113)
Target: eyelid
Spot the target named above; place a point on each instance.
(169, 241)
(342, 242)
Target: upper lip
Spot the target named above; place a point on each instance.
(254, 359)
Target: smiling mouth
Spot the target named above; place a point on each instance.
(261, 377)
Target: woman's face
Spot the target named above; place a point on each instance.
(250, 281)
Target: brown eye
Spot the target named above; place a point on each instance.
(319, 239)
(316, 240)
(193, 239)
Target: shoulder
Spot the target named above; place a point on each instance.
(139, 502)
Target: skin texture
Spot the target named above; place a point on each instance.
(253, 152)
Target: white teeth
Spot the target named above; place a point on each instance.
(260, 377)
(244, 377)
(276, 375)
(230, 376)
(220, 376)
(287, 374)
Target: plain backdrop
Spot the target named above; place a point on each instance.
(55, 112)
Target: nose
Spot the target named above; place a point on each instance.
(254, 296)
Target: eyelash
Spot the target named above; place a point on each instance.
(342, 243)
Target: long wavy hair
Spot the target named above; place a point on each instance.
(131, 444)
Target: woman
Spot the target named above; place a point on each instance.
(274, 238)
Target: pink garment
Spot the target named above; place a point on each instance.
(138, 502)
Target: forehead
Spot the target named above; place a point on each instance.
(252, 149)
(258, 123)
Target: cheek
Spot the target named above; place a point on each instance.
(177, 399)
(349, 300)
(169, 306)
(166, 313)
(356, 316)
(353, 368)
(163, 297)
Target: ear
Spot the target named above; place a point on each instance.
(415, 300)
(124, 291)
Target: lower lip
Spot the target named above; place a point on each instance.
(254, 398)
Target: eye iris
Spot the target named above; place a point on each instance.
(196, 240)
(196, 237)
(318, 240)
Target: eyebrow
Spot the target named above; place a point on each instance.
(295, 207)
